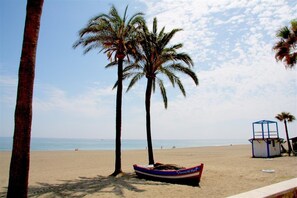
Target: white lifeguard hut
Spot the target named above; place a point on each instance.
(266, 142)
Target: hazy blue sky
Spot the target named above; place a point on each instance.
(229, 41)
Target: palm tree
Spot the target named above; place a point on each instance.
(20, 159)
(286, 117)
(156, 58)
(117, 37)
(286, 47)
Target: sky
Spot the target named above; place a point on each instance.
(230, 42)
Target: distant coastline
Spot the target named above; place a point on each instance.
(56, 144)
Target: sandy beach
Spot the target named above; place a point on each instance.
(228, 170)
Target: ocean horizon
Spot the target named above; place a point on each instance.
(56, 144)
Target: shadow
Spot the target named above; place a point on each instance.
(186, 182)
(91, 186)
(94, 186)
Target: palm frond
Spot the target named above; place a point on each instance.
(154, 85)
(155, 27)
(133, 67)
(134, 80)
(294, 25)
(169, 74)
(100, 16)
(111, 64)
(115, 17)
(167, 37)
(181, 87)
(115, 85)
(291, 118)
(163, 92)
(177, 46)
(162, 32)
(185, 70)
(137, 19)
(283, 33)
(179, 57)
(94, 45)
(125, 14)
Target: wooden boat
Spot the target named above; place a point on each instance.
(189, 176)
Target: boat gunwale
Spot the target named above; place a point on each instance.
(179, 172)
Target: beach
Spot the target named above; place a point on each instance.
(228, 170)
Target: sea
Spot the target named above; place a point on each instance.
(61, 144)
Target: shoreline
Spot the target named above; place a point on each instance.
(228, 170)
(131, 149)
(124, 150)
(60, 144)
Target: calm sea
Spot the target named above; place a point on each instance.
(54, 144)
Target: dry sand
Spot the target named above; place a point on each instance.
(228, 170)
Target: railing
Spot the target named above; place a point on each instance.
(271, 134)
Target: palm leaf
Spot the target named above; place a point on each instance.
(181, 87)
(169, 74)
(186, 71)
(283, 33)
(111, 64)
(163, 92)
(134, 80)
(285, 48)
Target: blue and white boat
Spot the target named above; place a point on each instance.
(189, 176)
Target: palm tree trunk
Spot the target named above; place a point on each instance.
(118, 165)
(288, 139)
(148, 94)
(20, 159)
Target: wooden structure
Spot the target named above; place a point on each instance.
(266, 142)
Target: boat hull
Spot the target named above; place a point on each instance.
(189, 176)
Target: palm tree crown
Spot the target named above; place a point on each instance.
(156, 58)
(111, 33)
(286, 47)
(285, 116)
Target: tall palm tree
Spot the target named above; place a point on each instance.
(117, 37)
(20, 159)
(286, 47)
(157, 58)
(286, 117)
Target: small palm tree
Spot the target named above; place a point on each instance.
(156, 58)
(20, 158)
(286, 117)
(286, 47)
(117, 36)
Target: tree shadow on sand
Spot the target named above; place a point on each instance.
(91, 186)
